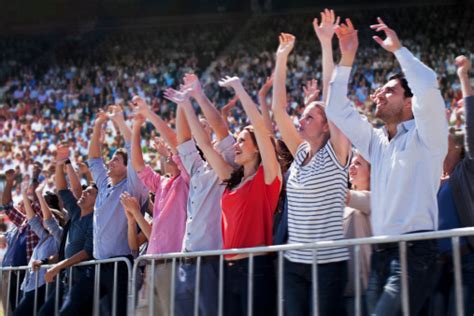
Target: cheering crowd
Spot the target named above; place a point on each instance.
(84, 185)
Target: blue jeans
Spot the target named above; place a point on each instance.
(384, 288)
(298, 288)
(185, 288)
(236, 287)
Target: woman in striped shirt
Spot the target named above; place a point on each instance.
(316, 188)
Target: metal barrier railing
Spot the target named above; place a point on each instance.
(151, 260)
(96, 297)
(402, 240)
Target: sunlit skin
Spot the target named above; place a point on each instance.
(246, 152)
(453, 157)
(359, 173)
(117, 170)
(313, 123)
(392, 106)
(87, 200)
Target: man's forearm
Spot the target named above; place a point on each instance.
(466, 87)
(7, 193)
(95, 146)
(213, 116)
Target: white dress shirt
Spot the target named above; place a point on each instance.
(405, 170)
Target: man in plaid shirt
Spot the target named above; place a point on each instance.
(18, 218)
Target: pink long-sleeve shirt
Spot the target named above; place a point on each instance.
(169, 212)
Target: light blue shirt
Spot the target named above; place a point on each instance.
(47, 246)
(110, 222)
(405, 170)
(203, 224)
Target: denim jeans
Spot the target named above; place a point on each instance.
(384, 288)
(443, 300)
(236, 274)
(208, 291)
(298, 288)
(26, 304)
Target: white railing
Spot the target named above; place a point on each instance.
(175, 258)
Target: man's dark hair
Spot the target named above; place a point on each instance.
(403, 81)
(122, 152)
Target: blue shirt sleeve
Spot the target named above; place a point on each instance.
(70, 203)
(99, 172)
(135, 186)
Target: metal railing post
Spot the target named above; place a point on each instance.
(197, 286)
(404, 277)
(151, 289)
(357, 280)
(315, 282)
(220, 303)
(250, 286)
(280, 283)
(457, 277)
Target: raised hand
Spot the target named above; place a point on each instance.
(40, 188)
(36, 265)
(139, 106)
(226, 108)
(348, 42)
(161, 147)
(230, 82)
(100, 118)
(10, 175)
(311, 91)
(266, 87)
(191, 83)
(62, 153)
(391, 43)
(325, 30)
(138, 119)
(176, 96)
(115, 113)
(464, 65)
(24, 187)
(287, 42)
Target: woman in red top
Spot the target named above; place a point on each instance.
(248, 203)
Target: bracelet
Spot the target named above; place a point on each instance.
(67, 162)
(44, 261)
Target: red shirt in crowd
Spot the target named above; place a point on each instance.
(247, 213)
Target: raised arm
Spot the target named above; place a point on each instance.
(270, 163)
(85, 172)
(95, 145)
(464, 66)
(76, 187)
(264, 106)
(26, 201)
(115, 113)
(161, 126)
(42, 201)
(226, 109)
(218, 125)
(183, 133)
(62, 153)
(137, 156)
(279, 102)
(222, 168)
(428, 104)
(7, 190)
(339, 109)
(325, 32)
(66, 263)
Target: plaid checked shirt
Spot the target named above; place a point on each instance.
(18, 218)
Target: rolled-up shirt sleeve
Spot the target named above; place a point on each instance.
(340, 111)
(190, 157)
(54, 229)
(134, 184)
(99, 172)
(226, 150)
(36, 227)
(150, 178)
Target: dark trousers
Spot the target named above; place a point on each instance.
(26, 305)
(77, 301)
(384, 288)
(208, 290)
(106, 288)
(298, 288)
(16, 277)
(443, 300)
(236, 276)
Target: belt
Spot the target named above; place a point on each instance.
(193, 260)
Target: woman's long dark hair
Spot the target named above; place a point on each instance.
(238, 174)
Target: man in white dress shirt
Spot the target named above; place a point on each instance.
(406, 157)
